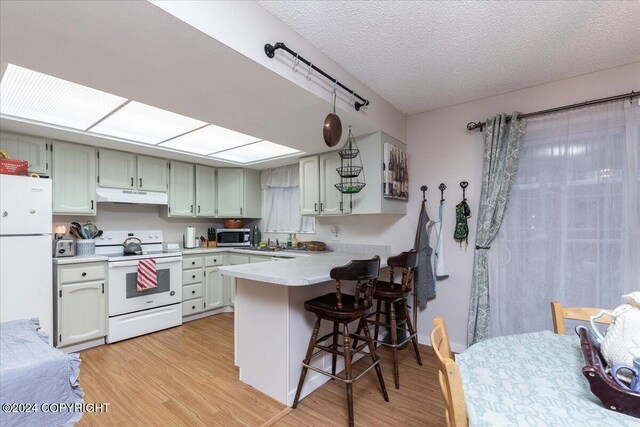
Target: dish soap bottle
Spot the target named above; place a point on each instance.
(256, 236)
(289, 242)
(294, 241)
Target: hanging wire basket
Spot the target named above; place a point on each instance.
(349, 171)
(349, 153)
(350, 187)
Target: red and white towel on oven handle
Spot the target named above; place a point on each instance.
(147, 275)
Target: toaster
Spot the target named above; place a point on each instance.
(64, 247)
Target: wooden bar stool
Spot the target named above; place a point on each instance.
(342, 309)
(393, 293)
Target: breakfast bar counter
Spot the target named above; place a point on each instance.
(272, 329)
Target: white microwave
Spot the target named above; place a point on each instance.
(234, 237)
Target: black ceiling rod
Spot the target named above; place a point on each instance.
(479, 125)
(270, 51)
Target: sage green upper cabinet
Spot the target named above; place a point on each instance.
(181, 189)
(30, 148)
(332, 201)
(74, 179)
(239, 193)
(371, 199)
(318, 195)
(309, 185)
(116, 169)
(152, 174)
(205, 191)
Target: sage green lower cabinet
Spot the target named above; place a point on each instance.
(203, 287)
(79, 303)
(30, 148)
(74, 179)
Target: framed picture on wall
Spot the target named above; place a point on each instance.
(396, 177)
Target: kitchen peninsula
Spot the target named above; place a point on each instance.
(272, 329)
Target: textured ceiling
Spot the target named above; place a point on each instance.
(426, 55)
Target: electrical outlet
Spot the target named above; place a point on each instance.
(335, 233)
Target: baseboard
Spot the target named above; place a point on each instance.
(74, 348)
(202, 315)
(455, 347)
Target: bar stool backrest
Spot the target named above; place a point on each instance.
(362, 271)
(408, 262)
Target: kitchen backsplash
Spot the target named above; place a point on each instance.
(143, 217)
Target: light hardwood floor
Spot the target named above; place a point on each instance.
(186, 376)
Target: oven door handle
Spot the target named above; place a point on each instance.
(117, 264)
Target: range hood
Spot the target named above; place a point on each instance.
(117, 195)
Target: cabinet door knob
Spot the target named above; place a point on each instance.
(140, 182)
(5, 214)
(84, 274)
(193, 292)
(193, 277)
(193, 307)
(193, 263)
(315, 207)
(215, 260)
(132, 181)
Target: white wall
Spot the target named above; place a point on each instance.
(118, 217)
(246, 27)
(441, 150)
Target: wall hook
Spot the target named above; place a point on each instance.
(464, 185)
(424, 189)
(442, 187)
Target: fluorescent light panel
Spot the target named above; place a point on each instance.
(43, 98)
(259, 151)
(210, 139)
(144, 123)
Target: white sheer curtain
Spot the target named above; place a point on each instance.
(571, 229)
(281, 207)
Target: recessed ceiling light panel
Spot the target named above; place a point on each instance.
(209, 139)
(263, 150)
(35, 96)
(144, 123)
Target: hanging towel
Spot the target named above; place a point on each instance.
(424, 283)
(147, 275)
(440, 264)
(463, 213)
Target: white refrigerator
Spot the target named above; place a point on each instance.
(25, 250)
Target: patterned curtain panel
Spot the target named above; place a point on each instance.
(502, 142)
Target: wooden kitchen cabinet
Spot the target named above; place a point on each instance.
(318, 195)
(74, 179)
(30, 148)
(205, 191)
(181, 189)
(116, 169)
(238, 193)
(152, 174)
(79, 303)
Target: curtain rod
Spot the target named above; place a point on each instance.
(630, 95)
(270, 51)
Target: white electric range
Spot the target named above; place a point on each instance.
(132, 312)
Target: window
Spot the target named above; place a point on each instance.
(281, 207)
(571, 228)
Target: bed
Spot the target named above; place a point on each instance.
(38, 383)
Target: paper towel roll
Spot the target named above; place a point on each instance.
(191, 238)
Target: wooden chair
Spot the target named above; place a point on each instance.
(560, 314)
(450, 380)
(394, 297)
(342, 309)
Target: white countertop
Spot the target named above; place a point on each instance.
(301, 271)
(79, 259)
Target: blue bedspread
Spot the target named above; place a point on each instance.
(34, 373)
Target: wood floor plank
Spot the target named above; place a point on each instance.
(185, 376)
